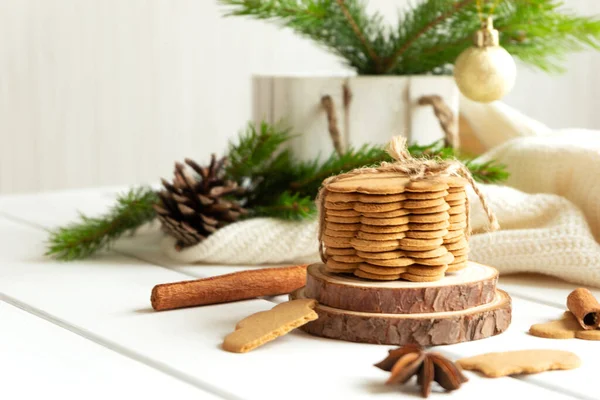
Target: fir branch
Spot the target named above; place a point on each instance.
(357, 31)
(91, 234)
(487, 172)
(288, 206)
(311, 175)
(427, 8)
(430, 35)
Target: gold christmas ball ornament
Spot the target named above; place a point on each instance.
(485, 72)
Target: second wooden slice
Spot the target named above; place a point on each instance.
(428, 329)
(472, 287)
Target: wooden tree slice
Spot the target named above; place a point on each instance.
(471, 287)
(400, 329)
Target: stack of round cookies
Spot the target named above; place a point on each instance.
(384, 226)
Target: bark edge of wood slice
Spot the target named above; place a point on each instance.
(473, 286)
(427, 329)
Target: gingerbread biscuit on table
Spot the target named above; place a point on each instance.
(520, 362)
(265, 326)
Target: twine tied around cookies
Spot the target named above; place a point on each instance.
(414, 169)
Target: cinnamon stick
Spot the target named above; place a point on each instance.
(230, 287)
(582, 303)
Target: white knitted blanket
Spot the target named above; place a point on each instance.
(549, 213)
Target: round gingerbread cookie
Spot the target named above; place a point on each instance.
(411, 204)
(378, 198)
(426, 234)
(373, 269)
(339, 234)
(428, 218)
(375, 277)
(383, 229)
(380, 236)
(385, 221)
(431, 210)
(394, 262)
(370, 183)
(435, 226)
(386, 214)
(377, 207)
(426, 195)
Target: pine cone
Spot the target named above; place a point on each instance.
(193, 207)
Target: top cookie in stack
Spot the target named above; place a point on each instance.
(384, 226)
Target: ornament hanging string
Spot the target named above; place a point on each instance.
(479, 5)
(414, 169)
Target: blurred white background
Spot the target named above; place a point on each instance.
(107, 92)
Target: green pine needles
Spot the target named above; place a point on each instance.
(84, 238)
(430, 35)
(277, 185)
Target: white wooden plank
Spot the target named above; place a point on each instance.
(540, 288)
(579, 382)
(40, 360)
(108, 299)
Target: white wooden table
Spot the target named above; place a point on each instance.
(85, 329)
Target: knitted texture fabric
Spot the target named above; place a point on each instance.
(549, 213)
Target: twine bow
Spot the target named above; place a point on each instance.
(414, 169)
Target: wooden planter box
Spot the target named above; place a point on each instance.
(380, 107)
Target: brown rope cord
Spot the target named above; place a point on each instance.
(414, 169)
(446, 118)
(332, 123)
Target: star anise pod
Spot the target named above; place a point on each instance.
(410, 360)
